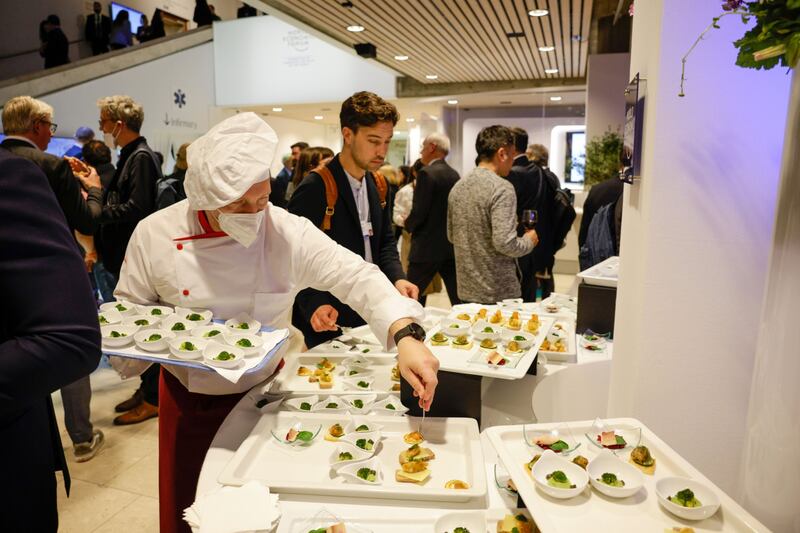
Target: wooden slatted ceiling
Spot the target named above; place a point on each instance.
(460, 40)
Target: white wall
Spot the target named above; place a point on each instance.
(606, 79)
(539, 132)
(696, 236)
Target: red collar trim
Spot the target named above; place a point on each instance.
(208, 231)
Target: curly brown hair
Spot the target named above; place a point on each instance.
(366, 109)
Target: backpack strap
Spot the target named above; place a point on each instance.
(382, 186)
(331, 195)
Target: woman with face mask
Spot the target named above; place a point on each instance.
(226, 249)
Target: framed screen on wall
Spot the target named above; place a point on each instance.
(632, 133)
(133, 15)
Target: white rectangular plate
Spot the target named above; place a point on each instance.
(297, 519)
(463, 361)
(604, 274)
(591, 511)
(287, 381)
(306, 470)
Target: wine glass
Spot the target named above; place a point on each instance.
(529, 218)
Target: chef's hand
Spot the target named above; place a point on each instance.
(533, 236)
(324, 318)
(407, 289)
(418, 366)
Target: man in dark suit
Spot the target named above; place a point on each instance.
(360, 222)
(49, 338)
(98, 30)
(55, 48)
(431, 252)
(531, 189)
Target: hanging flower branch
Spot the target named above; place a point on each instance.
(773, 41)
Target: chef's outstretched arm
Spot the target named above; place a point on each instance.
(418, 365)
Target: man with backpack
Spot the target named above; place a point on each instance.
(351, 203)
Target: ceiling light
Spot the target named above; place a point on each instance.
(355, 28)
(277, 109)
(452, 102)
(431, 76)
(538, 12)
(410, 119)
(401, 58)
(551, 71)
(318, 117)
(546, 48)
(555, 98)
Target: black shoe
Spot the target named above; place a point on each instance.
(131, 403)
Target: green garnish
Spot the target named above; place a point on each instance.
(519, 338)
(225, 356)
(521, 518)
(262, 402)
(332, 405)
(559, 446)
(178, 326)
(365, 350)
(454, 326)
(685, 498)
(103, 320)
(244, 343)
(367, 474)
(362, 427)
(305, 436)
(142, 322)
(319, 530)
(352, 373)
(611, 480)
(559, 480)
(345, 456)
(243, 325)
(194, 317)
(358, 404)
(188, 346)
(391, 407)
(212, 333)
(305, 406)
(154, 337)
(363, 384)
(463, 530)
(116, 334)
(365, 444)
(156, 312)
(487, 329)
(121, 308)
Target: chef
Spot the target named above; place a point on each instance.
(225, 248)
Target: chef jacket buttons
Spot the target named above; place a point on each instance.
(180, 247)
(186, 292)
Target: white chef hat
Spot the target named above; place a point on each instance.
(229, 159)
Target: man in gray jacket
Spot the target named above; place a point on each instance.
(482, 223)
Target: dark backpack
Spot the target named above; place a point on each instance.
(600, 241)
(562, 214)
(169, 191)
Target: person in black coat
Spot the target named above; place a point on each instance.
(55, 48)
(431, 252)
(202, 13)
(49, 338)
(367, 126)
(603, 193)
(98, 30)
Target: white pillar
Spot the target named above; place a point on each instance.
(696, 236)
(771, 455)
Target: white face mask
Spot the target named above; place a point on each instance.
(241, 227)
(110, 139)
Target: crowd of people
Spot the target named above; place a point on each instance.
(125, 220)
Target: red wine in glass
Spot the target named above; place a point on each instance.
(529, 218)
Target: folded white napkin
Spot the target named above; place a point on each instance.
(250, 507)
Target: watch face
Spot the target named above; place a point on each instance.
(417, 331)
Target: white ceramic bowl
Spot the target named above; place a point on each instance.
(669, 486)
(124, 308)
(153, 346)
(212, 351)
(170, 322)
(143, 321)
(357, 360)
(297, 403)
(357, 453)
(362, 383)
(326, 405)
(550, 462)
(197, 317)
(355, 440)
(360, 421)
(366, 349)
(350, 471)
(471, 520)
(114, 341)
(453, 327)
(366, 402)
(383, 406)
(161, 311)
(205, 332)
(607, 462)
(175, 347)
(483, 330)
(253, 326)
(509, 335)
(111, 316)
(256, 341)
(354, 371)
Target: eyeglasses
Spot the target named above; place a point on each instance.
(53, 126)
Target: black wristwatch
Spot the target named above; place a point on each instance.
(411, 330)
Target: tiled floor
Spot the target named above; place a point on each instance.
(117, 491)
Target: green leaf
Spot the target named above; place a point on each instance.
(793, 50)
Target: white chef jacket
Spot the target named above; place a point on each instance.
(175, 258)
